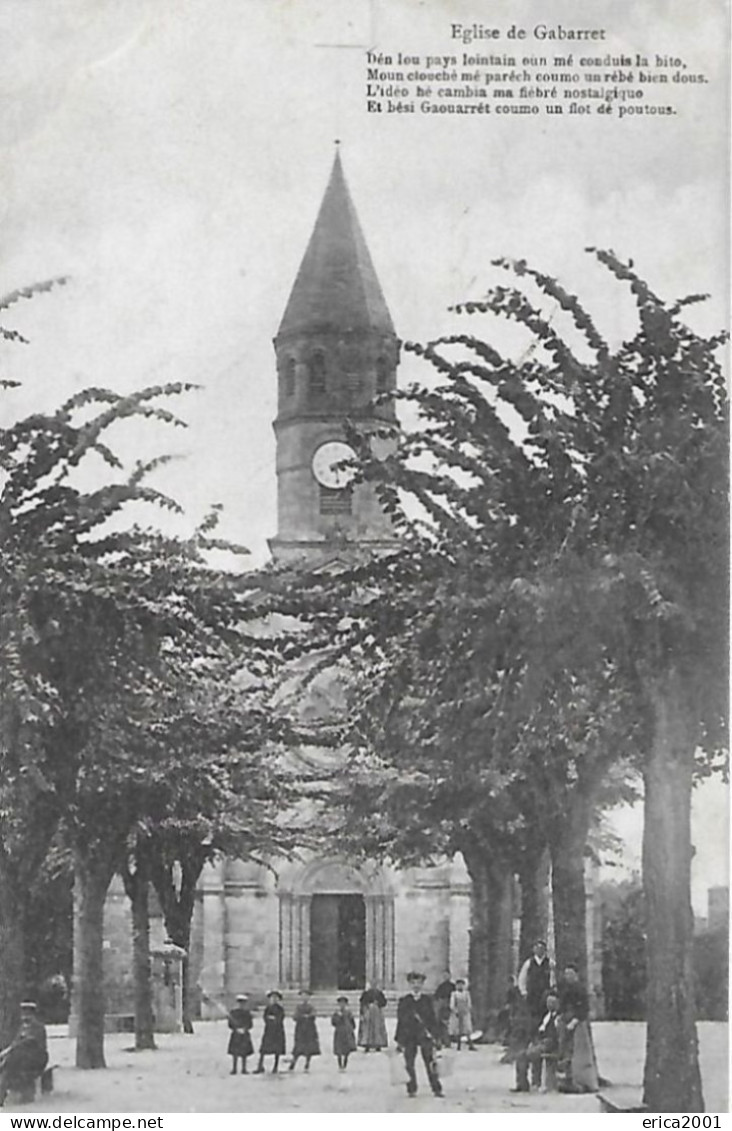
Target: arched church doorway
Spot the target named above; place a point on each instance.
(337, 942)
(336, 926)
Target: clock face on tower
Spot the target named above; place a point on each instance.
(325, 464)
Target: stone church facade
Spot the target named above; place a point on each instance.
(322, 922)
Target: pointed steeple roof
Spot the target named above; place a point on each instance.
(336, 286)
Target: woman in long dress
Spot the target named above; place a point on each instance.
(371, 1027)
(240, 1041)
(306, 1043)
(273, 1037)
(577, 1064)
(344, 1032)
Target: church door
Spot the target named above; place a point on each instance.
(337, 942)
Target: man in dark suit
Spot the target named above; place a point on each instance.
(26, 1056)
(417, 1029)
(535, 977)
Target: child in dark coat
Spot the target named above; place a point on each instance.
(344, 1032)
(240, 1041)
(273, 1038)
(306, 1043)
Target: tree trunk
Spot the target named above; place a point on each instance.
(137, 886)
(178, 928)
(178, 907)
(569, 898)
(144, 1022)
(93, 876)
(501, 947)
(186, 994)
(490, 958)
(534, 884)
(12, 952)
(672, 1081)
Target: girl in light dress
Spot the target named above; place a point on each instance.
(461, 1021)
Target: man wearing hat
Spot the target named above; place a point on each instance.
(26, 1056)
(417, 1029)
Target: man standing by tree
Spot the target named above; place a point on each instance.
(417, 1030)
(534, 980)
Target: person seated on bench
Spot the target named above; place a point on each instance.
(26, 1056)
(544, 1049)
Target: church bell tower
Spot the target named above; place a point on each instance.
(336, 350)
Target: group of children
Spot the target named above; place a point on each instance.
(453, 1016)
(306, 1043)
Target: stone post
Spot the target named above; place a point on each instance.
(167, 967)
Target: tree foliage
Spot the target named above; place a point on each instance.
(119, 648)
(558, 601)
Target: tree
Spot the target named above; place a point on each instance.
(583, 490)
(180, 767)
(49, 931)
(92, 619)
(629, 460)
(232, 794)
(574, 746)
(28, 815)
(136, 879)
(431, 774)
(442, 762)
(217, 784)
(456, 696)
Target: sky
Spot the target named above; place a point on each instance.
(169, 157)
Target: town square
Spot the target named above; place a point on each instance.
(364, 569)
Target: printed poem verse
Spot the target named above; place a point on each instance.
(545, 70)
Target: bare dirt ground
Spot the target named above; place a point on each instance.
(191, 1074)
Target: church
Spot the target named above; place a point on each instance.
(319, 922)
